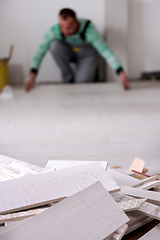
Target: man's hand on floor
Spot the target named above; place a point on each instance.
(30, 83)
(124, 80)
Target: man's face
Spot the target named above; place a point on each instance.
(68, 26)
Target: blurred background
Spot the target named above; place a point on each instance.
(90, 121)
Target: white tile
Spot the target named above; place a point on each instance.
(151, 196)
(84, 216)
(40, 189)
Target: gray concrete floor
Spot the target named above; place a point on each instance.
(83, 122)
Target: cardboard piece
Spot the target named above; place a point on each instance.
(145, 170)
(12, 168)
(139, 176)
(122, 179)
(125, 172)
(145, 181)
(135, 217)
(137, 165)
(150, 210)
(138, 224)
(40, 189)
(118, 168)
(127, 203)
(131, 205)
(83, 216)
(153, 197)
(63, 164)
(119, 233)
(15, 170)
(20, 215)
(150, 185)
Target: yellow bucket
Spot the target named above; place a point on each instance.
(3, 73)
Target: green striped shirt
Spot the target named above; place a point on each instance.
(91, 37)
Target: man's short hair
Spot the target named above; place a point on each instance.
(66, 12)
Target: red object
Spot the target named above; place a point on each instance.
(143, 174)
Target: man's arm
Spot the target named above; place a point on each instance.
(31, 81)
(51, 34)
(93, 37)
(124, 80)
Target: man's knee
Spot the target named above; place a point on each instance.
(87, 70)
(86, 75)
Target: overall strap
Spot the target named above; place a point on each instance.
(63, 37)
(84, 30)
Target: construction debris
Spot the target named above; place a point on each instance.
(137, 165)
(154, 234)
(79, 200)
(81, 216)
(151, 196)
(17, 216)
(128, 203)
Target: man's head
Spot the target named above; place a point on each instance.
(68, 22)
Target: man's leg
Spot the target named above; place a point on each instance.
(63, 55)
(87, 64)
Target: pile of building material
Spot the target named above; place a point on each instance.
(76, 200)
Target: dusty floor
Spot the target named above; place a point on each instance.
(88, 122)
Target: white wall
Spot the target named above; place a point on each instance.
(117, 33)
(144, 36)
(24, 23)
(134, 35)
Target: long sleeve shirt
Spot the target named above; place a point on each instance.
(91, 37)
